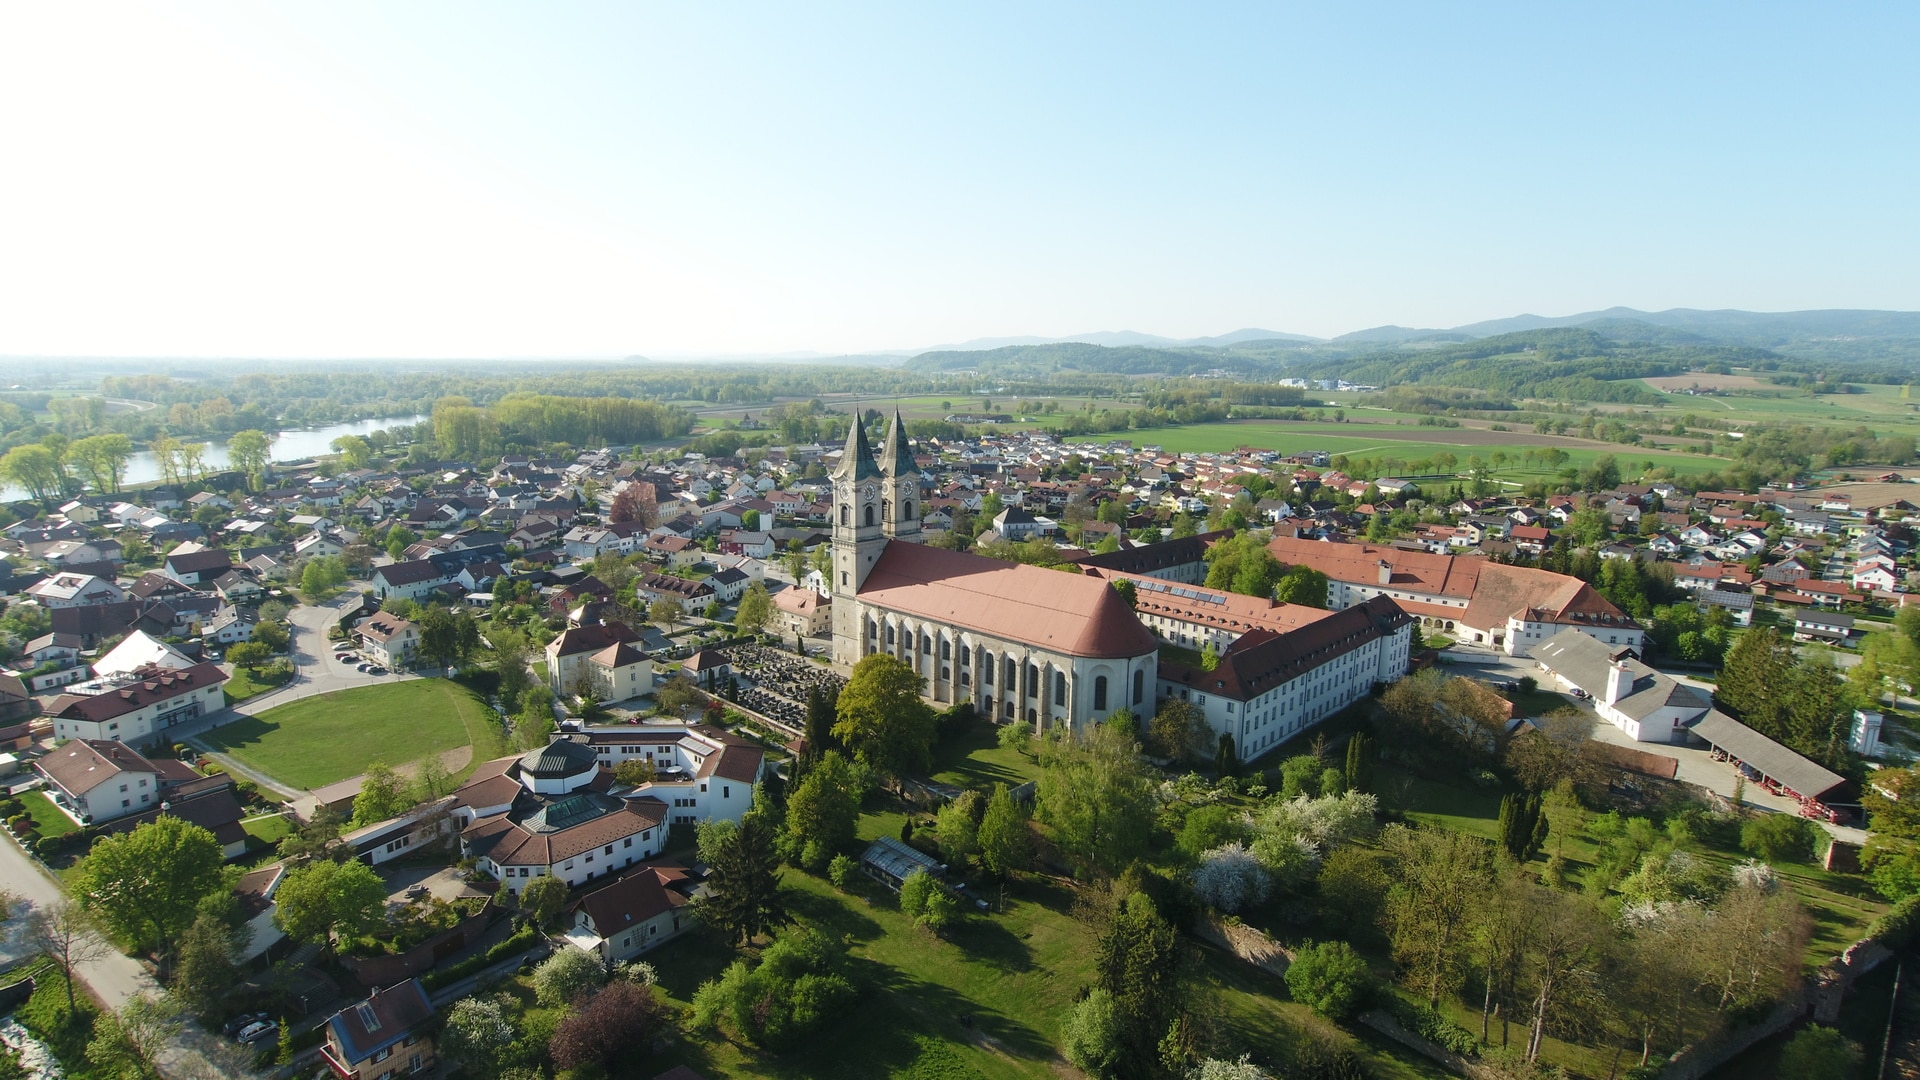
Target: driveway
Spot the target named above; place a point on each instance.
(315, 671)
(443, 882)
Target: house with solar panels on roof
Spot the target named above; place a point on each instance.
(559, 811)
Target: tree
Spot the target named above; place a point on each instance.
(127, 1045)
(206, 970)
(819, 723)
(1329, 978)
(145, 886)
(561, 979)
(1753, 679)
(383, 794)
(1819, 1053)
(1440, 876)
(544, 898)
(327, 901)
(510, 656)
(1006, 842)
(755, 611)
(823, 812)
(1090, 1036)
(928, 902)
(678, 694)
(958, 826)
(666, 613)
(1361, 755)
(249, 654)
(1523, 828)
(103, 458)
(355, 452)
(635, 503)
(34, 468)
(633, 772)
(1231, 879)
(1097, 797)
(1176, 730)
(1779, 838)
(64, 932)
(882, 718)
(247, 451)
(1137, 961)
(743, 899)
(477, 1034)
(1553, 751)
(1302, 585)
(610, 1026)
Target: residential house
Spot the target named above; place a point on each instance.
(802, 611)
(99, 780)
(138, 706)
(642, 908)
(198, 567)
(389, 640)
(75, 590)
(386, 1036)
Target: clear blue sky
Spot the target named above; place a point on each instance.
(554, 179)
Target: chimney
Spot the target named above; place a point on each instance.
(1619, 682)
(1386, 572)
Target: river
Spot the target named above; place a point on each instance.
(144, 468)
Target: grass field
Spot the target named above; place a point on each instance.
(243, 686)
(1405, 442)
(47, 817)
(319, 740)
(976, 761)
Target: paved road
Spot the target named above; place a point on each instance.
(113, 978)
(315, 671)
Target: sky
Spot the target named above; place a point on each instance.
(563, 179)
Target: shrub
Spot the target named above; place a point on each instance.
(841, 870)
(50, 845)
(1779, 838)
(1819, 1053)
(565, 976)
(1231, 879)
(1330, 978)
(1090, 1037)
(1433, 1027)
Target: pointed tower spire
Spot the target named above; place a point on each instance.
(896, 457)
(857, 463)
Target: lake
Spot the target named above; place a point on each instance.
(144, 468)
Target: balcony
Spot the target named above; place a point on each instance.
(339, 1070)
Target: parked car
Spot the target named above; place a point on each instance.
(240, 1023)
(363, 668)
(258, 1032)
(376, 670)
(1579, 693)
(418, 892)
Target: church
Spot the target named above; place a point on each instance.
(1022, 642)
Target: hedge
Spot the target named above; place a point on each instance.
(1435, 1028)
(522, 940)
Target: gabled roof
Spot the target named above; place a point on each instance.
(84, 764)
(634, 897)
(382, 1020)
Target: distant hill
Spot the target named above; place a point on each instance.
(1123, 338)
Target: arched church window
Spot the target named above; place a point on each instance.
(1099, 693)
(869, 515)
(846, 515)
(889, 635)
(1059, 688)
(909, 516)
(1139, 686)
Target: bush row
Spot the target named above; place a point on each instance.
(1433, 1027)
(521, 940)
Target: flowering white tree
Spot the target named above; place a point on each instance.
(1231, 879)
(1221, 1069)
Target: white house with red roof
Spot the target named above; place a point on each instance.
(139, 705)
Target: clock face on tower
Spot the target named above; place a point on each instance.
(867, 493)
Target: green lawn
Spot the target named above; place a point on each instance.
(48, 818)
(244, 685)
(975, 760)
(269, 829)
(319, 740)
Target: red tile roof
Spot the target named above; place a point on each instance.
(154, 684)
(1051, 609)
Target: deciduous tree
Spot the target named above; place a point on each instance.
(383, 794)
(881, 717)
(612, 1025)
(145, 886)
(1005, 839)
(1097, 797)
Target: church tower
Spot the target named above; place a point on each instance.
(859, 536)
(901, 510)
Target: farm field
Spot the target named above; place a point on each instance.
(1406, 442)
(1879, 406)
(320, 740)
